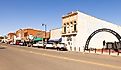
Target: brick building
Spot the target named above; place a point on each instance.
(11, 36)
(25, 34)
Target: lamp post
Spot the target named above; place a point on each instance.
(45, 29)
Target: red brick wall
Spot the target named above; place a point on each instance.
(37, 33)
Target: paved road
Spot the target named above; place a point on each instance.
(24, 58)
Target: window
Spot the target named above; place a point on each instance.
(67, 23)
(75, 27)
(64, 29)
(74, 21)
(25, 34)
(71, 22)
(67, 26)
(71, 25)
(69, 38)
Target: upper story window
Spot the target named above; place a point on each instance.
(74, 21)
(71, 22)
(75, 27)
(64, 29)
(25, 34)
(67, 23)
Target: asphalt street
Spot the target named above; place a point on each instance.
(25, 58)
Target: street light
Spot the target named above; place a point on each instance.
(45, 29)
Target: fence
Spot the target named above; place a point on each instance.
(115, 52)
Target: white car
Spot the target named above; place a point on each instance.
(61, 46)
(11, 43)
(49, 45)
(38, 44)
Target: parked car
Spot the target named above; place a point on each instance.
(29, 44)
(21, 43)
(11, 43)
(61, 46)
(38, 44)
(49, 45)
(17, 42)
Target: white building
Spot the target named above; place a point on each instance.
(56, 35)
(77, 27)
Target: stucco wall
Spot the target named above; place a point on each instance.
(88, 24)
(55, 33)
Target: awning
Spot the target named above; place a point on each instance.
(38, 39)
(55, 39)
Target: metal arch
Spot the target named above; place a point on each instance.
(102, 30)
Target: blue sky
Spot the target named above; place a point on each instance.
(16, 14)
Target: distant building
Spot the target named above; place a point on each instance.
(11, 37)
(27, 34)
(56, 35)
(81, 31)
(1, 37)
(4, 39)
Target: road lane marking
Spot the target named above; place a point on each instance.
(76, 60)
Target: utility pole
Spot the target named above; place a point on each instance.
(45, 29)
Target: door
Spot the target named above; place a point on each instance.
(69, 43)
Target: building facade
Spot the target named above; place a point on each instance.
(56, 35)
(80, 30)
(28, 34)
(69, 30)
(10, 37)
